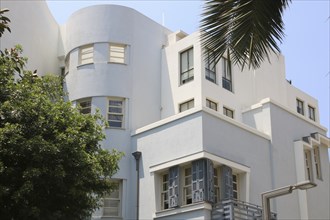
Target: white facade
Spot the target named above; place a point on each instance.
(235, 136)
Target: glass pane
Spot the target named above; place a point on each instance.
(191, 58)
(115, 102)
(115, 109)
(184, 62)
(115, 124)
(110, 211)
(115, 117)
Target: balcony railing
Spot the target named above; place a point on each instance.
(237, 210)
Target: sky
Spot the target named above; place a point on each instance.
(305, 47)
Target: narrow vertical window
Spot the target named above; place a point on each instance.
(86, 54)
(300, 106)
(311, 112)
(235, 187)
(112, 202)
(211, 105)
(317, 161)
(85, 106)
(186, 66)
(210, 71)
(226, 75)
(164, 192)
(187, 189)
(116, 113)
(117, 53)
(186, 105)
(228, 112)
(67, 63)
(308, 163)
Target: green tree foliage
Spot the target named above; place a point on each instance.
(245, 30)
(51, 163)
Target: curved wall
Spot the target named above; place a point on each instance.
(33, 26)
(137, 80)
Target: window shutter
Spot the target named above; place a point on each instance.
(198, 180)
(226, 182)
(209, 181)
(173, 188)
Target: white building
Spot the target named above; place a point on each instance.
(211, 139)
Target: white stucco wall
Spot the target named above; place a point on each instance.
(33, 26)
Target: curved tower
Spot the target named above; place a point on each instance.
(112, 63)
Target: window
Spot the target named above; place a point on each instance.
(235, 186)
(210, 71)
(187, 190)
(86, 54)
(116, 113)
(85, 106)
(186, 66)
(317, 162)
(300, 107)
(308, 163)
(228, 112)
(164, 192)
(67, 63)
(117, 53)
(112, 202)
(226, 75)
(211, 105)
(311, 112)
(186, 105)
(191, 183)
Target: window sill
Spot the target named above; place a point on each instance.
(111, 217)
(114, 128)
(125, 64)
(183, 209)
(85, 64)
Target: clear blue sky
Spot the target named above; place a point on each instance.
(305, 47)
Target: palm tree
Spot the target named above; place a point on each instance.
(245, 30)
(4, 21)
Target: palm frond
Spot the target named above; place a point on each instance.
(248, 29)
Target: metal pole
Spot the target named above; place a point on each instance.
(137, 155)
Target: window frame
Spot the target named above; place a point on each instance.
(209, 104)
(227, 76)
(210, 67)
(119, 200)
(311, 112)
(317, 162)
(83, 108)
(300, 106)
(67, 64)
(122, 113)
(187, 186)
(90, 52)
(164, 198)
(308, 165)
(236, 186)
(113, 58)
(226, 110)
(188, 103)
(189, 68)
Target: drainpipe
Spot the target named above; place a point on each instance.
(137, 156)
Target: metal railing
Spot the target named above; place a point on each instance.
(237, 210)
